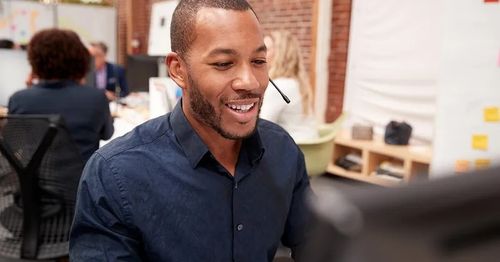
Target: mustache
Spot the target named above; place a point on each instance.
(248, 95)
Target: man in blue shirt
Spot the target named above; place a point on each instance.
(210, 181)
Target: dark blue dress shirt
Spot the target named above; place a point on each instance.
(158, 194)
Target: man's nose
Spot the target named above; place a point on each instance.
(246, 79)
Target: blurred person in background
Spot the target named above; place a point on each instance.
(60, 60)
(287, 71)
(107, 76)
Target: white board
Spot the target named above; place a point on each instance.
(19, 20)
(469, 82)
(91, 23)
(159, 29)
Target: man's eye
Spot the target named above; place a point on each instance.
(259, 62)
(222, 65)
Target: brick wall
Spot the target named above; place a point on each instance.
(337, 61)
(140, 15)
(294, 15)
(122, 31)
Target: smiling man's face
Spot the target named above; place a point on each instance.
(226, 72)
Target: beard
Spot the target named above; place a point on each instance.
(204, 112)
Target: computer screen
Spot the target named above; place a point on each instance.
(139, 69)
(449, 219)
(14, 70)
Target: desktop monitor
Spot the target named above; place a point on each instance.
(448, 219)
(139, 69)
(14, 70)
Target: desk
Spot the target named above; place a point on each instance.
(128, 116)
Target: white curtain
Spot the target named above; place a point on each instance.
(393, 64)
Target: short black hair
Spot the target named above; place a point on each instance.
(182, 27)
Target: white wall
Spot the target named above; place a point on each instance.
(14, 70)
(469, 81)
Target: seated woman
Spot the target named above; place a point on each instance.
(60, 61)
(288, 73)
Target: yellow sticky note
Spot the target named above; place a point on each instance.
(482, 163)
(491, 114)
(461, 166)
(480, 142)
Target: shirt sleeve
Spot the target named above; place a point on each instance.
(101, 229)
(12, 105)
(299, 217)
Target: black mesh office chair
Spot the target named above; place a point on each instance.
(40, 167)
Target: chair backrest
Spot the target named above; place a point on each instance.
(40, 167)
(318, 152)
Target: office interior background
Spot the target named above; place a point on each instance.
(433, 64)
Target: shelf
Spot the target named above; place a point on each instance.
(415, 160)
(338, 171)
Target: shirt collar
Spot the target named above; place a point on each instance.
(55, 83)
(195, 149)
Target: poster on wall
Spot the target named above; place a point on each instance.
(19, 20)
(159, 32)
(467, 130)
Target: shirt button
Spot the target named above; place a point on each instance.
(239, 227)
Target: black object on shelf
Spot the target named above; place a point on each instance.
(397, 133)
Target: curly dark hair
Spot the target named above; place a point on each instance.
(58, 54)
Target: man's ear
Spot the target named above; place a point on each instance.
(176, 69)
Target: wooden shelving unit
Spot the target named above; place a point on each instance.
(415, 159)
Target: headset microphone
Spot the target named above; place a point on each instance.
(287, 100)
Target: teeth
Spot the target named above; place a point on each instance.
(243, 108)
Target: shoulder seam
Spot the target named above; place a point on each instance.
(132, 147)
(121, 188)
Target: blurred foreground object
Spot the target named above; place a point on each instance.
(451, 219)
